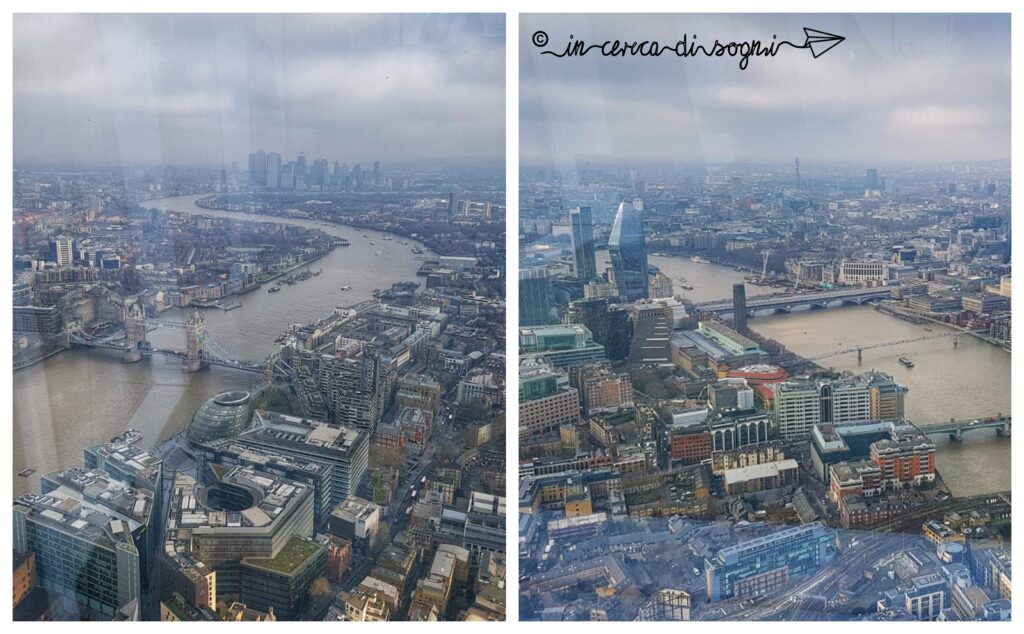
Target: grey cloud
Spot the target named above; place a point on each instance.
(920, 87)
(207, 89)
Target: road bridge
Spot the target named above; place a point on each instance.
(957, 428)
(201, 349)
(787, 302)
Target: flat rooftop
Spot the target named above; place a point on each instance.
(296, 552)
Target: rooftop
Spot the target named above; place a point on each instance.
(275, 428)
(296, 552)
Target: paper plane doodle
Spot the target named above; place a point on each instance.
(820, 42)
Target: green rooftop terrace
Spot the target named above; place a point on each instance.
(296, 552)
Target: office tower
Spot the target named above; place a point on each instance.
(801, 404)
(761, 565)
(564, 346)
(318, 174)
(280, 585)
(453, 202)
(535, 307)
(345, 449)
(300, 167)
(258, 168)
(88, 534)
(739, 308)
(871, 179)
(126, 462)
(546, 399)
(797, 162)
(62, 250)
(216, 456)
(205, 560)
(628, 252)
(584, 262)
(610, 326)
(223, 180)
(273, 170)
(252, 167)
(376, 169)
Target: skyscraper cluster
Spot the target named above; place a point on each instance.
(267, 170)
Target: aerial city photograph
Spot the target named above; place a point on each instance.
(764, 318)
(259, 317)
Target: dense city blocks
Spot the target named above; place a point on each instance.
(267, 385)
(764, 345)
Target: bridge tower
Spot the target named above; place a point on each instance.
(1003, 431)
(957, 435)
(194, 331)
(268, 369)
(134, 331)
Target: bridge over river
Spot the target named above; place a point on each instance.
(957, 428)
(787, 302)
(201, 349)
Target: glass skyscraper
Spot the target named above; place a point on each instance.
(628, 252)
(535, 298)
(584, 262)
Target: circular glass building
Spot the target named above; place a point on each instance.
(224, 416)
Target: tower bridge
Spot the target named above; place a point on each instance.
(201, 349)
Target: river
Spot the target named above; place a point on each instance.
(709, 281)
(82, 397)
(969, 381)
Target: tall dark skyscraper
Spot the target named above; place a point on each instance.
(628, 252)
(739, 308)
(584, 262)
(797, 163)
(610, 326)
(273, 170)
(453, 203)
(258, 167)
(871, 179)
(535, 298)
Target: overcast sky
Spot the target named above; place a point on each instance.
(914, 88)
(208, 89)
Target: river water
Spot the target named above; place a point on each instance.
(82, 397)
(970, 380)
